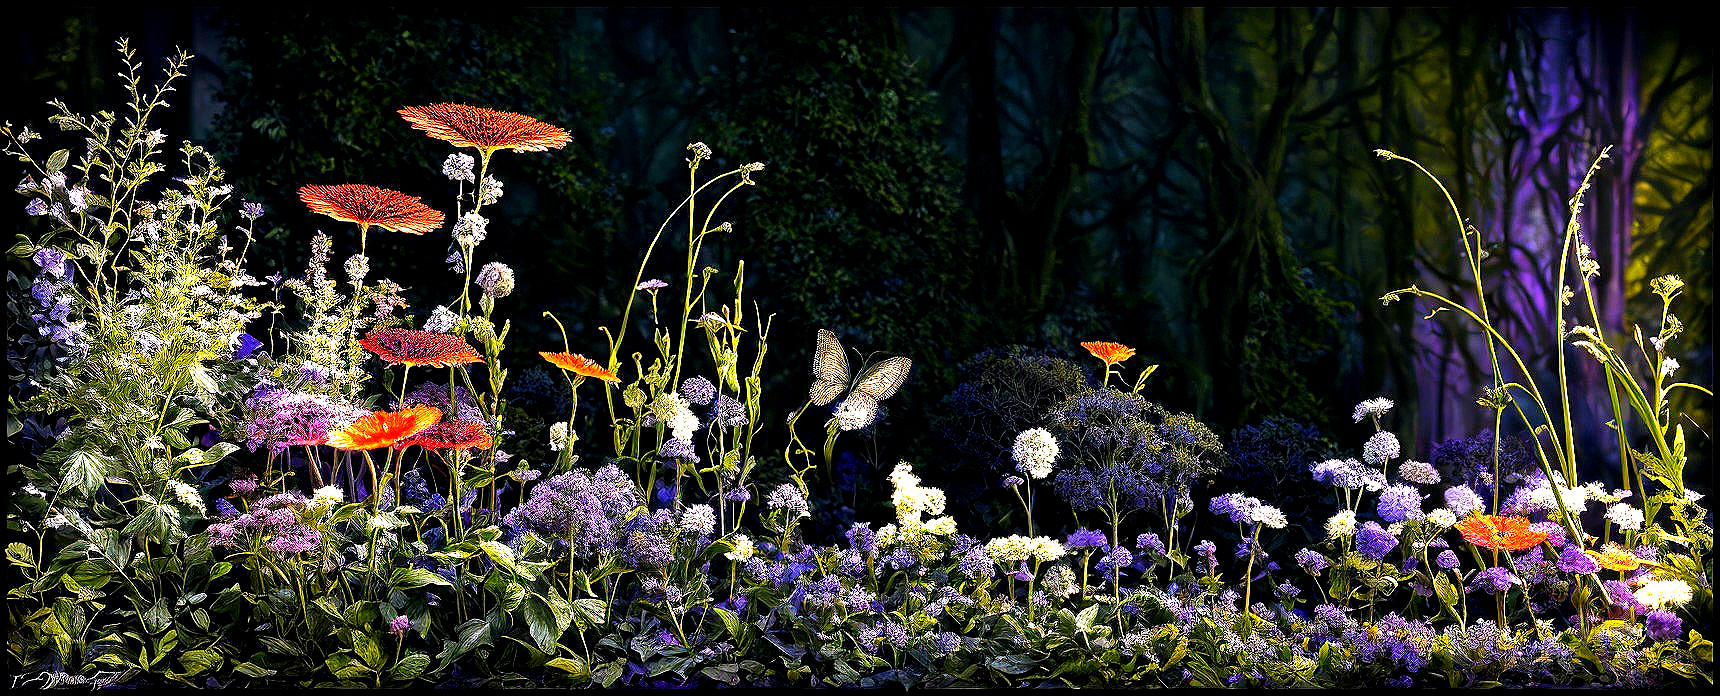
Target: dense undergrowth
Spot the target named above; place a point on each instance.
(236, 480)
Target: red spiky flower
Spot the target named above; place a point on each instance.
(384, 429)
(1500, 532)
(414, 348)
(488, 130)
(451, 435)
(369, 206)
(580, 365)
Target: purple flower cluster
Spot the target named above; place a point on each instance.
(583, 508)
(1126, 446)
(273, 517)
(436, 395)
(1348, 473)
(1086, 539)
(698, 390)
(280, 418)
(1399, 503)
(1493, 580)
(54, 299)
(1374, 541)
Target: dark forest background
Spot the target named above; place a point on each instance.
(1198, 184)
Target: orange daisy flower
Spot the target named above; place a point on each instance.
(486, 129)
(1615, 557)
(368, 206)
(414, 348)
(1111, 353)
(1500, 532)
(452, 435)
(384, 429)
(580, 365)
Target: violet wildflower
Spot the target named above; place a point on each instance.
(1381, 448)
(1573, 560)
(1463, 500)
(1494, 580)
(698, 390)
(1150, 542)
(1238, 507)
(295, 539)
(1399, 503)
(1312, 561)
(1446, 559)
(1086, 538)
(399, 625)
(676, 448)
(1373, 541)
(652, 285)
(496, 279)
(1420, 473)
(729, 412)
(1663, 626)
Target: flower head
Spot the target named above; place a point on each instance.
(487, 130)
(399, 625)
(580, 365)
(452, 435)
(1110, 353)
(369, 206)
(416, 348)
(1374, 408)
(1500, 532)
(1664, 594)
(384, 428)
(1035, 451)
(1615, 557)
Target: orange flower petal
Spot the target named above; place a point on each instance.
(408, 347)
(485, 129)
(1615, 557)
(383, 428)
(580, 365)
(1500, 532)
(1110, 353)
(371, 206)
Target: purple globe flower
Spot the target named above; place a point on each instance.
(399, 625)
(1312, 561)
(1374, 541)
(1663, 625)
(1399, 503)
(1086, 539)
(1573, 560)
(1446, 559)
(1494, 580)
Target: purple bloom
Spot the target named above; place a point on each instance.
(730, 413)
(1012, 481)
(399, 625)
(222, 534)
(652, 284)
(975, 563)
(1116, 559)
(1150, 542)
(1493, 580)
(1086, 538)
(677, 448)
(250, 210)
(1573, 560)
(1238, 507)
(437, 395)
(36, 207)
(698, 390)
(281, 419)
(1399, 503)
(1374, 541)
(861, 537)
(248, 344)
(225, 509)
(245, 487)
(581, 507)
(1312, 561)
(1446, 559)
(1286, 589)
(296, 538)
(1621, 595)
(1663, 625)
(1208, 550)
(1555, 532)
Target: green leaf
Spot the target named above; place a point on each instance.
(574, 666)
(367, 650)
(731, 622)
(57, 161)
(84, 471)
(408, 578)
(199, 661)
(548, 618)
(1013, 664)
(250, 669)
(21, 555)
(588, 612)
(410, 667)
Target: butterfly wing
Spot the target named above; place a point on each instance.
(881, 381)
(829, 369)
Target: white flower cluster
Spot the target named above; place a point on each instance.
(323, 500)
(558, 437)
(441, 320)
(1626, 517)
(458, 167)
(743, 549)
(913, 500)
(1662, 594)
(1541, 499)
(1060, 582)
(682, 422)
(471, 229)
(699, 519)
(1374, 408)
(1269, 516)
(1441, 517)
(187, 496)
(1341, 525)
(1035, 451)
(787, 497)
(1015, 547)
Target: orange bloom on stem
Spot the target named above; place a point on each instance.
(1111, 353)
(1500, 532)
(414, 348)
(1615, 557)
(452, 435)
(368, 206)
(486, 129)
(384, 429)
(580, 365)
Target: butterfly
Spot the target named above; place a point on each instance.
(830, 376)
